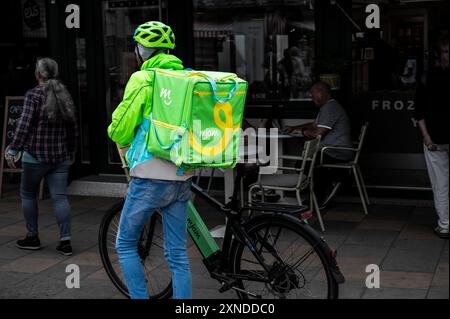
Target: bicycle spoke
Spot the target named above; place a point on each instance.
(303, 258)
(251, 262)
(271, 246)
(295, 267)
(149, 282)
(115, 224)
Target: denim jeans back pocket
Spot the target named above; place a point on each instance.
(185, 192)
(159, 193)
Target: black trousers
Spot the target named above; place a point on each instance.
(325, 178)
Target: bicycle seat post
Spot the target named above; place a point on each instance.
(234, 203)
(242, 169)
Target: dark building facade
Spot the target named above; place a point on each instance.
(280, 47)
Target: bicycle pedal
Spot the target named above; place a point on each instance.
(226, 286)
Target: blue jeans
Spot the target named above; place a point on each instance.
(56, 176)
(144, 197)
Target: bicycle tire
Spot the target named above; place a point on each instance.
(304, 231)
(114, 273)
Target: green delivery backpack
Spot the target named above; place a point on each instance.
(196, 118)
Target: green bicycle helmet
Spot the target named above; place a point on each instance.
(155, 34)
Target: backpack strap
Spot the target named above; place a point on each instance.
(178, 135)
(214, 86)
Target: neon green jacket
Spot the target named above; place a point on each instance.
(137, 101)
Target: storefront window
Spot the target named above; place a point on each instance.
(388, 65)
(395, 57)
(270, 43)
(82, 97)
(120, 19)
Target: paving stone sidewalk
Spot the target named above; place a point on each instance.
(414, 263)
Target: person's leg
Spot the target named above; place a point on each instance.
(324, 178)
(338, 175)
(437, 164)
(32, 175)
(175, 229)
(144, 196)
(57, 185)
(322, 182)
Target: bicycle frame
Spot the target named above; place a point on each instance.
(214, 258)
(198, 231)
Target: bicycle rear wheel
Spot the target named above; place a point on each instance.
(296, 261)
(150, 249)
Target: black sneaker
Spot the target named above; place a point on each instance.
(64, 248)
(29, 243)
(441, 232)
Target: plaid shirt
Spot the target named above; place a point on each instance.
(47, 142)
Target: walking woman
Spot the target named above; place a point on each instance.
(46, 135)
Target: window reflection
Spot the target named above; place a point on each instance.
(82, 97)
(270, 43)
(120, 19)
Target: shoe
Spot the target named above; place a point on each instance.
(330, 196)
(64, 248)
(441, 232)
(29, 243)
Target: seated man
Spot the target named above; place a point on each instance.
(333, 124)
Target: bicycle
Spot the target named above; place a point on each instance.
(256, 258)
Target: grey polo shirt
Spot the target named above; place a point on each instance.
(332, 116)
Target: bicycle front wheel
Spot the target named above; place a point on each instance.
(295, 263)
(150, 250)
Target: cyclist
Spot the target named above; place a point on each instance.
(156, 183)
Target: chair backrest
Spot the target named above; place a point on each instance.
(362, 136)
(310, 148)
(309, 155)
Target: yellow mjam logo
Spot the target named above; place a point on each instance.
(227, 126)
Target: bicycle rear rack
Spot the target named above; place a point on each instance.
(301, 212)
